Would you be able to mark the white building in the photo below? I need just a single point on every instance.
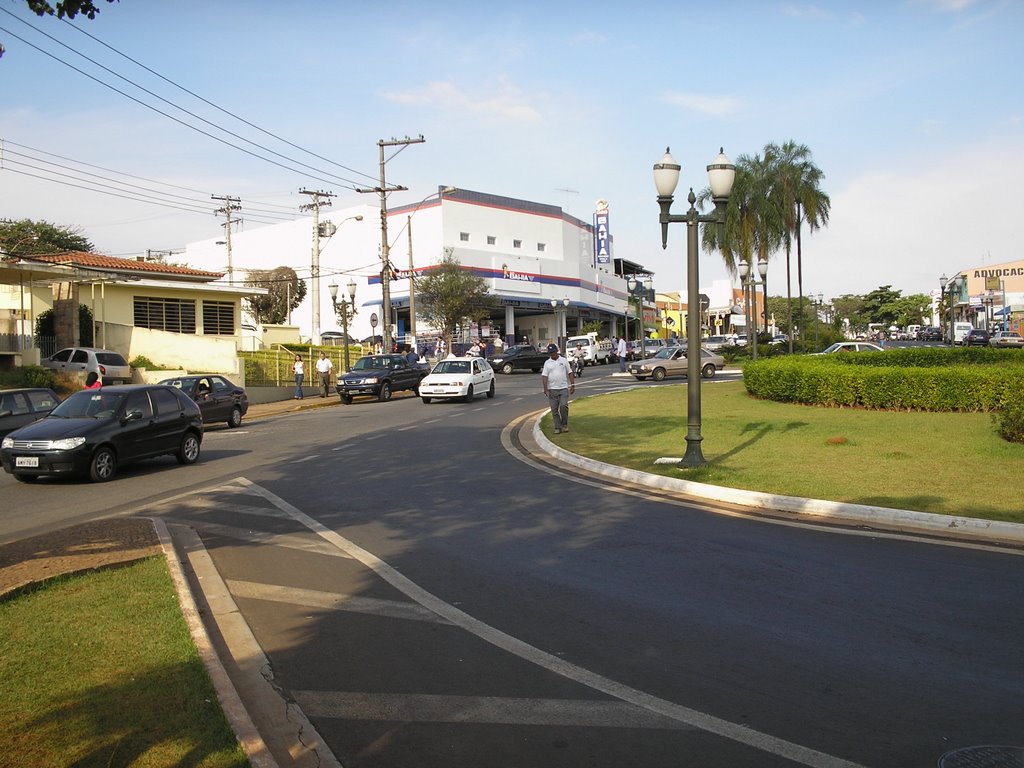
(529, 254)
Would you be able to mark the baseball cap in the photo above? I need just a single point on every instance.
(552, 348)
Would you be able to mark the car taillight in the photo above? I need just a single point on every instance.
(103, 371)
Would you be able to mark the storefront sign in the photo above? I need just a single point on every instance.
(602, 236)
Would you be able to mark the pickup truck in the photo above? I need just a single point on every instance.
(379, 376)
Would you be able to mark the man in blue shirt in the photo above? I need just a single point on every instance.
(558, 382)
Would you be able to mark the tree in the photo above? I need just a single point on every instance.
(26, 237)
(62, 8)
(449, 296)
(46, 325)
(286, 292)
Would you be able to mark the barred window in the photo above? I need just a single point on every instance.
(219, 318)
(160, 314)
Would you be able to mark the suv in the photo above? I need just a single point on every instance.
(379, 376)
(110, 366)
(519, 356)
(977, 337)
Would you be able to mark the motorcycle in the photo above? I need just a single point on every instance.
(577, 365)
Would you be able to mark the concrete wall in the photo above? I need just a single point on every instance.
(206, 354)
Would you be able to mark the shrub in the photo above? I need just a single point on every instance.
(141, 361)
(1009, 422)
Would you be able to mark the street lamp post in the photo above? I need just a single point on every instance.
(344, 311)
(561, 331)
(817, 321)
(721, 174)
(322, 233)
(748, 281)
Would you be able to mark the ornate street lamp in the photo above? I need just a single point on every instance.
(721, 174)
(344, 310)
(561, 332)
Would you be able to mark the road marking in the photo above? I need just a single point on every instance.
(300, 541)
(305, 458)
(421, 708)
(737, 732)
(335, 601)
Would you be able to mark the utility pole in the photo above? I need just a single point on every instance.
(314, 272)
(230, 204)
(385, 249)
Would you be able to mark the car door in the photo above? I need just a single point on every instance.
(15, 412)
(59, 359)
(78, 362)
(481, 379)
(211, 403)
(137, 435)
(169, 420)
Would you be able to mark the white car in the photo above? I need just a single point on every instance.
(850, 346)
(109, 365)
(1006, 339)
(458, 378)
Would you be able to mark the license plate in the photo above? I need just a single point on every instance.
(26, 461)
(437, 391)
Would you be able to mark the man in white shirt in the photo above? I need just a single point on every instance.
(620, 352)
(558, 382)
(323, 373)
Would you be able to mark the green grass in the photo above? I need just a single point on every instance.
(100, 670)
(947, 463)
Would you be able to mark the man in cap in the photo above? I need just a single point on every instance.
(558, 383)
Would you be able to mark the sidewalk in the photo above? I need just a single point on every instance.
(264, 410)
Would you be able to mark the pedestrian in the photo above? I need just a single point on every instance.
(93, 381)
(299, 371)
(439, 348)
(558, 382)
(323, 374)
(620, 352)
(412, 356)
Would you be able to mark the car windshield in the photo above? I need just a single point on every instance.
(834, 347)
(372, 362)
(186, 382)
(665, 354)
(452, 366)
(89, 404)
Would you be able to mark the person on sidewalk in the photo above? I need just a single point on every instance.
(300, 371)
(323, 374)
(558, 382)
(620, 352)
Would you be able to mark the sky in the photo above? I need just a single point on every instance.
(912, 109)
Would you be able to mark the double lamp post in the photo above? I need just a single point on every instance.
(721, 175)
(749, 282)
(345, 308)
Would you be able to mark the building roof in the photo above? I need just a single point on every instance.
(138, 267)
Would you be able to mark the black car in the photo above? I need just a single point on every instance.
(19, 407)
(977, 337)
(379, 376)
(931, 333)
(218, 399)
(95, 430)
(518, 357)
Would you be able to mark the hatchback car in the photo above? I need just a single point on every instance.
(1006, 339)
(218, 399)
(715, 343)
(94, 431)
(459, 378)
(518, 357)
(19, 407)
(977, 337)
(109, 365)
(672, 361)
(843, 347)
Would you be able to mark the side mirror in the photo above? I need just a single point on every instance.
(5, 413)
(132, 416)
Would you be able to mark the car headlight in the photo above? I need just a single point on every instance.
(8, 442)
(67, 443)
(370, 380)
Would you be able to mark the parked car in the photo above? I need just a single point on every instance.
(850, 346)
(715, 343)
(19, 407)
(779, 339)
(741, 340)
(109, 365)
(518, 357)
(650, 347)
(379, 376)
(929, 333)
(977, 337)
(672, 361)
(218, 399)
(94, 431)
(460, 378)
(1006, 339)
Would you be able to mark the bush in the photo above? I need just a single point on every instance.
(141, 361)
(1010, 421)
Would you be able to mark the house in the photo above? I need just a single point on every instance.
(176, 316)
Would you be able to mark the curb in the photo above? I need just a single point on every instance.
(884, 518)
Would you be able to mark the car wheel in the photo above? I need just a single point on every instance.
(103, 465)
(640, 378)
(188, 453)
(346, 399)
(658, 374)
(235, 419)
(385, 392)
(708, 371)
(506, 368)
(469, 394)
(426, 401)
(27, 478)
(490, 390)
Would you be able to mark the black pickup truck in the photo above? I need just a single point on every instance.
(379, 376)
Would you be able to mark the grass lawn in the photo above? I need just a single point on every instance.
(100, 670)
(947, 463)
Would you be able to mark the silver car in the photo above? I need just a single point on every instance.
(109, 365)
(671, 361)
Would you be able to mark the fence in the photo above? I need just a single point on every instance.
(273, 367)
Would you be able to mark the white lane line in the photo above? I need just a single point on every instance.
(305, 458)
(423, 708)
(335, 601)
(726, 729)
(299, 540)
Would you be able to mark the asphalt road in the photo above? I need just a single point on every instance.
(429, 599)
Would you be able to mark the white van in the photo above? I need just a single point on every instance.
(960, 331)
(594, 351)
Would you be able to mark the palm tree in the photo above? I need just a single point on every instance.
(800, 198)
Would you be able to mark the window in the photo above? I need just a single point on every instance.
(541, 247)
(517, 243)
(491, 240)
(165, 401)
(219, 318)
(174, 315)
(464, 237)
(139, 401)
(79, 356)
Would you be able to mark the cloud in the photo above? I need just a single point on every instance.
(717, 106)
(508, 103)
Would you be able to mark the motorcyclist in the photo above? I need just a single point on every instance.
(579, 357)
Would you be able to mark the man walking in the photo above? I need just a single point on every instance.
(323, 374)
(558, 383)
(620, 352)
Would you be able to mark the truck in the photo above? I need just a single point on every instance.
(594, 350)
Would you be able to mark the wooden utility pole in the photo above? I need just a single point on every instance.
(230, 204)
(314, 273)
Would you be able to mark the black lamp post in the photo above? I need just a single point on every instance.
(721, 174)
(344, 311)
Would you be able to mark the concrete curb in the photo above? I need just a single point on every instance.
(238, 717)
(883, 518)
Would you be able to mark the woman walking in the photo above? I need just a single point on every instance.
(300, 372)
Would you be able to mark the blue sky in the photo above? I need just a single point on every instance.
(913, 110)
